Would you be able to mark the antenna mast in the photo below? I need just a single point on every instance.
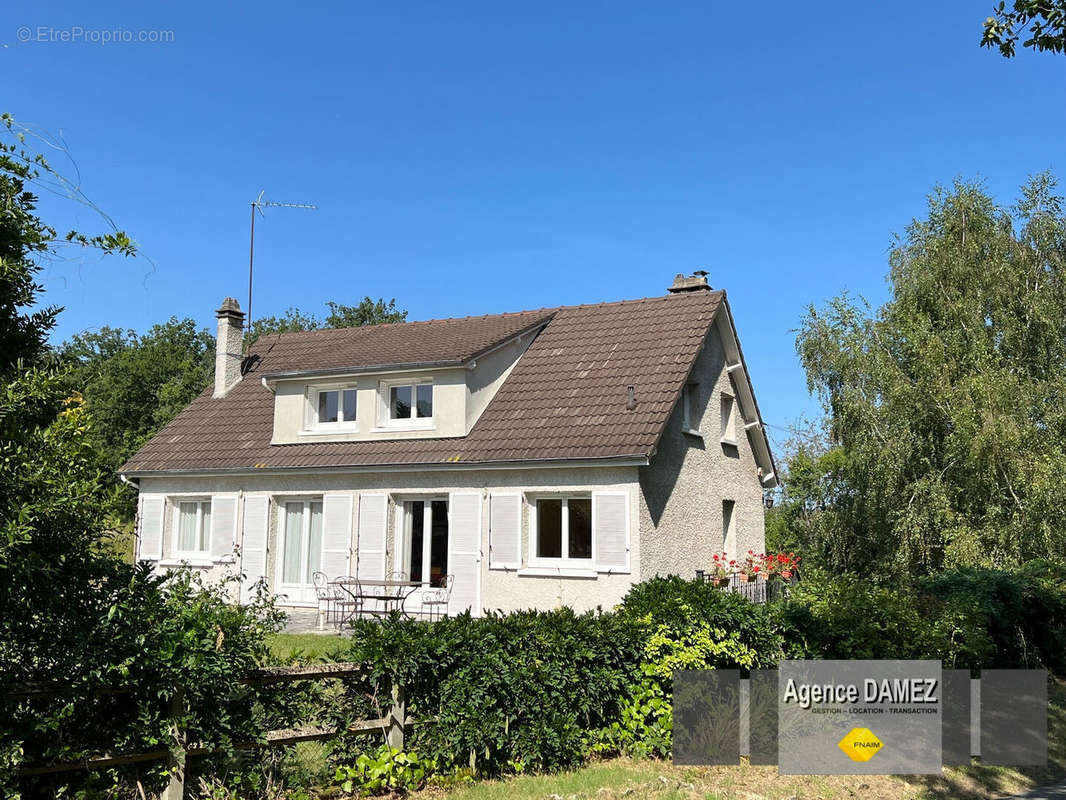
(258, 205)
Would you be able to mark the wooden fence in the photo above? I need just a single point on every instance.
(179, 749)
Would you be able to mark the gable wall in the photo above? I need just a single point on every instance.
(683, 488)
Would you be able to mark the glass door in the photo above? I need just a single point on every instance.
(425, 541)
(301, 549)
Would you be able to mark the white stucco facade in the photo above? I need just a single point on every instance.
(700, 492)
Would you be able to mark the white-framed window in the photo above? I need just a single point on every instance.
(193, 528)
(729, 419)
(408, 403)
(331, 407)
(561, 531)
(301, 541)
(690, 408)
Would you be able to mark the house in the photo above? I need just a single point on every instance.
(543, 458)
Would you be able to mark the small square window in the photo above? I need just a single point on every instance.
(564, 528)
(336, 405)
(408, 402)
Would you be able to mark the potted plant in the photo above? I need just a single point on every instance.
(722, 569)
(752, 566)
(780, 565)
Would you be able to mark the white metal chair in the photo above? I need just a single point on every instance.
(347, 606)
(437, 599)
(328, 596)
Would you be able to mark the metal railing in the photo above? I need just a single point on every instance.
(759, 590)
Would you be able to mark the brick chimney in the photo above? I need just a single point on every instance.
(696, 283)
(229, 346)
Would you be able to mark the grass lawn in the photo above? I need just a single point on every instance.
(286, 647)
(641, 780)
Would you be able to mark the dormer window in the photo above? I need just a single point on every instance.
(332, 407)
(410, 404)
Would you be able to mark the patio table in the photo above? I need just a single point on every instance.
(392, 598)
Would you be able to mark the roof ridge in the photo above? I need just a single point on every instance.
(545, 310)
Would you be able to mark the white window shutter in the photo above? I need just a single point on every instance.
(150, 535)
(464, 552)
(336, 534)
(505, 531)
(610, 526)
(373, 525)
(254, 544)
(223, 524)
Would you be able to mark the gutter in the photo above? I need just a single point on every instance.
(543, 463)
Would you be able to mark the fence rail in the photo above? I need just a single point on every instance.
(179, 749)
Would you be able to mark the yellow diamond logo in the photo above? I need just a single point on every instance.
(860, 744)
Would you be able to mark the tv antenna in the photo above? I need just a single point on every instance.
(258, 205)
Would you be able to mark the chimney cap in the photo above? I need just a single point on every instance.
(697, 282)
(230, 308)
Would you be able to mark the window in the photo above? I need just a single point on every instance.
(410, 402)
(690, 408)
(564, 528)
(334, 406)
(728, 531)
(194, 526)
(301, 550)
(729, 419)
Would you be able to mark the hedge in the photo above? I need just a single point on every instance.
(544, 689)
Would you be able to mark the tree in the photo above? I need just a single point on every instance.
(134, 384)
(368, 312)
(1046, 20)
(73, 613)
(947, 407)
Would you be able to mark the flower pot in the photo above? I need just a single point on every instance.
(721, 581)
(786, 574)
(751, 578)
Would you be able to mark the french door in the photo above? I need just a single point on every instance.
(424, 551)
(300, 553)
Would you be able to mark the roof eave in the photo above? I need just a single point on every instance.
(629, 460)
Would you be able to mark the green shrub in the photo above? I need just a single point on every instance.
(502, 690)
(848, 617)
(385, 769)
(998, 618)
(678, 603)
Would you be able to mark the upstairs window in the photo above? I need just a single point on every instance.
(729, 420)
(334, 407)
(410, 402)
(194, 526)
(690, 409)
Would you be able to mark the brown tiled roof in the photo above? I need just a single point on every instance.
(439, 341)
(565, 399)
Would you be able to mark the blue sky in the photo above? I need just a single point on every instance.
(471, 158)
